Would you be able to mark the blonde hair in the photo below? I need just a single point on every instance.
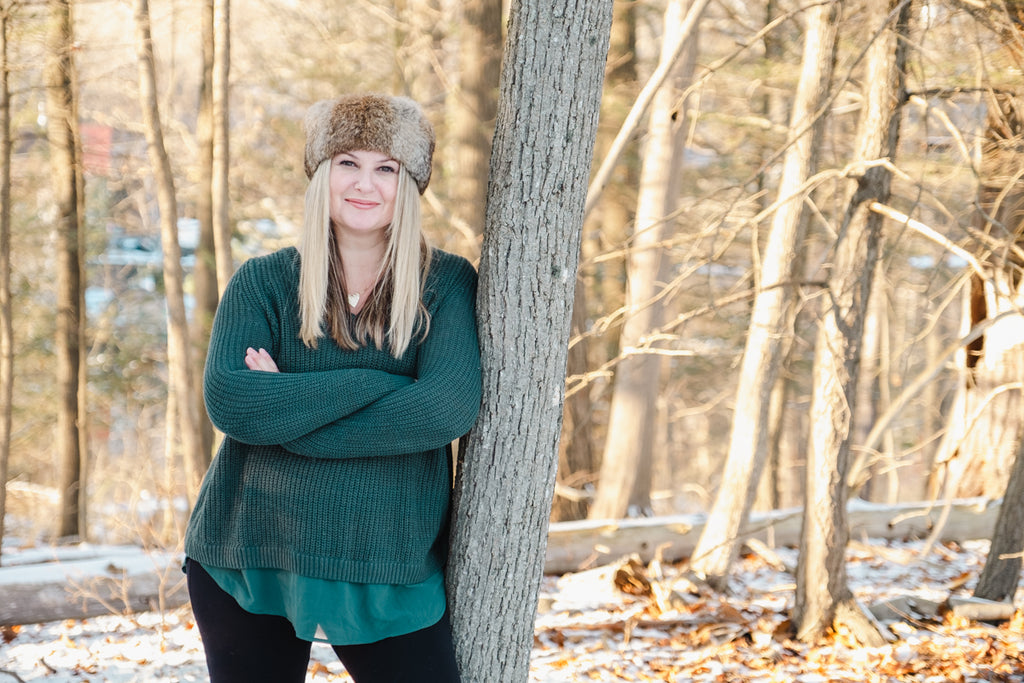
(394, 309)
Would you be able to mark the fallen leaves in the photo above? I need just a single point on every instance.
(669, 629)
(9, 633)
(650, 623)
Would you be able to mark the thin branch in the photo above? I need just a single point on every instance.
(931, 234)
(643, 101)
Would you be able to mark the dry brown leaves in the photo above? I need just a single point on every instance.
(633, 622)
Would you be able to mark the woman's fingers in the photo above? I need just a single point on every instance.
(259, 360)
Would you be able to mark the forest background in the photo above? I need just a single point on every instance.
(701, 211)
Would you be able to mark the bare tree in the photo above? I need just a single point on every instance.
(774, 107)
(988, 427)
(822, 594)
(979, 444)
(1001, 575)
(66, 172)
(474, 104)
(219, 189)
(6, 308)
(204, 273)
(601, 287)
(182, 410)
(771, 318)
(549, 99)
(625, 477)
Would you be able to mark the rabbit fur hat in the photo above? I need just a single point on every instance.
(395, 126)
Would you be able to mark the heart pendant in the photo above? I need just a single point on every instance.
(353, 300)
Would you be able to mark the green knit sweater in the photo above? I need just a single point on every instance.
(336, 467)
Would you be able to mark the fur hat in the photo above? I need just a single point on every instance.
(394, 126)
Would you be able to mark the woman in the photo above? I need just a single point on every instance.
(339, 373)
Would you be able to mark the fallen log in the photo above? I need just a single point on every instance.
(91, 582)
(588, 543)
(101, 580)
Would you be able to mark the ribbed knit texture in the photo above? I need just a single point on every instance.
(336, 467)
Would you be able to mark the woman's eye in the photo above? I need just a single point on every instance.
(346, 162)
(388, 169)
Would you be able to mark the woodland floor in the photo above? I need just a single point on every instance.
(589, 629)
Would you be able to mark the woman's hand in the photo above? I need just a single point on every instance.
(259, 360)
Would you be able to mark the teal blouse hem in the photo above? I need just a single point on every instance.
(336, 612)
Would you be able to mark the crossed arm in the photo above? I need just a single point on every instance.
(354, 412)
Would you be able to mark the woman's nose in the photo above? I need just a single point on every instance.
(364, 181)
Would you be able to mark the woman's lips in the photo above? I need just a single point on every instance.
(362, 204)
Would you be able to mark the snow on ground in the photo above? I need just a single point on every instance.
(588, 629)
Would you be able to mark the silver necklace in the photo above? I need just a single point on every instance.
(355, 297)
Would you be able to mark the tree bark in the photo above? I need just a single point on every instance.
(6, 308)
(550, 94)
(999, 578)
(632, 419)
(62, 131)
(771, 317)
(179, 367)
(822, 593)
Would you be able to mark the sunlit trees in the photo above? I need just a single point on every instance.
(204, 272)
(988, 412)
(625, 475)
(748, 216)
(6, 308)
(473, 106)
(68, 188)
(822, 593)
(771, 319)
(182, 412)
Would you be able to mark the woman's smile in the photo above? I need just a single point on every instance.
(363, 187)
(362, 203)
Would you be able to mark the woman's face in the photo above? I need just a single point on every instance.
(363, 188)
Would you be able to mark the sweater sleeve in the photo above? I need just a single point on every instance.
(439, 407)
(263, 408)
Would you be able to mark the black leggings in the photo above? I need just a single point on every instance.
(245, 647)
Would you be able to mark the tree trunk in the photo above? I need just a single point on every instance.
(822, 594)
(631, 422)
(221, 150)
(204, 273)
(774, 107)
(872, 395)
(771, 317)
(179, 368)
(6, 308)
(998, 362)
(600, 289)
(62, 131)
(667, 63)
(576, 461)
(527, 273)
(1001, 574)
(989, 409)
(476, 101)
